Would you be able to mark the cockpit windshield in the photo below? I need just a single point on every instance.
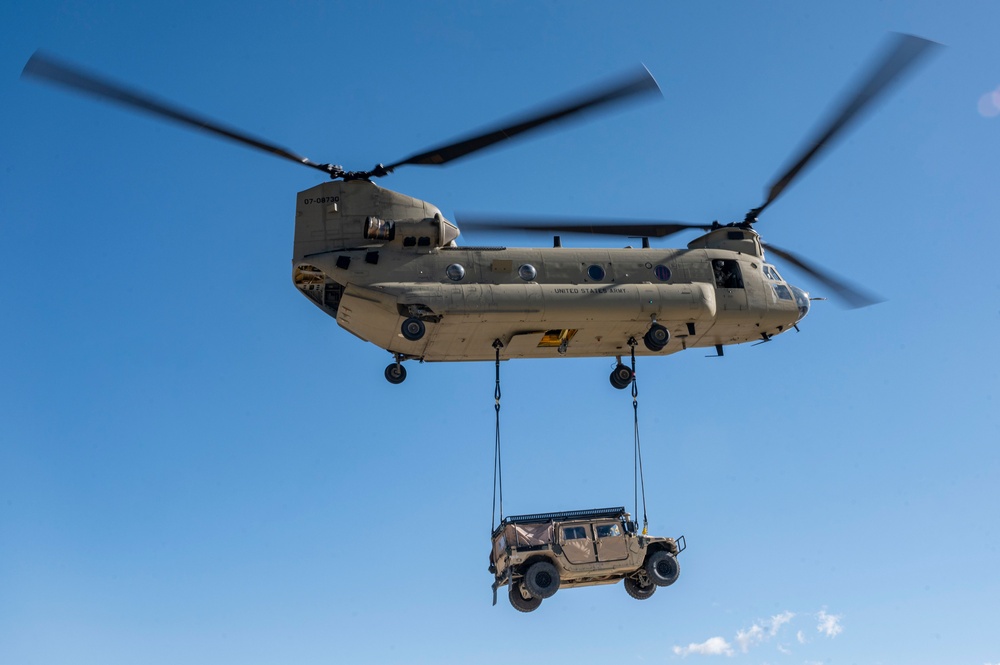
(802, 300)
(771, 273)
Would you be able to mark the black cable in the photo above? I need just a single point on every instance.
(637, 466)
(497, 468)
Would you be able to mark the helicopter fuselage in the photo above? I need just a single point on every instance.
(375, 259)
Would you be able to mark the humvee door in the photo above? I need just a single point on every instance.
(610, 541)
(577, 543)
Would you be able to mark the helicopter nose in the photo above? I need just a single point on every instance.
(802, 300)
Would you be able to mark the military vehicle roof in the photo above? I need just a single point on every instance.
(596, 513)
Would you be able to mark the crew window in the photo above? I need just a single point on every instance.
(574, 533)
(596, 273)
(782, 291)
(771, 273)
(727, 274)
(608, 531)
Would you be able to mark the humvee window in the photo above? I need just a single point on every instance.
(608, 531)
(574, 533)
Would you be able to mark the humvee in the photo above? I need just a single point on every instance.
(536, 555)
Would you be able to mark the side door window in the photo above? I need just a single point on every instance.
(727, 274)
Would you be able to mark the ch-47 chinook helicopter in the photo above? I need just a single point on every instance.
(386, 266)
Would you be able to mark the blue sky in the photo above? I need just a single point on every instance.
(197, 465)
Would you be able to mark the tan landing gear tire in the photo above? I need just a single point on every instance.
(621, 376)
(395, 373)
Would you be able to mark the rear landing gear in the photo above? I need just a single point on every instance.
(656, 338)
(413, 329)
(621, 376)
(395, 373)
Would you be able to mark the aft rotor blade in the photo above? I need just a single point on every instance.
(641, 83)
(901, 55)
(852, 295)
(51, 70)
(600, 227)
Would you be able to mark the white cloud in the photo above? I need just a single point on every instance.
(762, 630)
(713, 646)
(989, 107)
(780, 620)
(829, 624)
(748, 638)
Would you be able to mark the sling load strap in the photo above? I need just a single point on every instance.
(639, 482)
(497, 470)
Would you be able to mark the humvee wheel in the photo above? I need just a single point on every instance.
(520, 603)
(656, 338)
(412, 329)
(395, 373)
(662, 568)
(621, 376)
(638, 591)
(542, 579)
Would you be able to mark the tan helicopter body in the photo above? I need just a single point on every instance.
(375, 259)
(387, 267)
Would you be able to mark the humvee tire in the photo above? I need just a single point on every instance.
(638, 591)
(662, 568)
(541, 579)
(520, 603)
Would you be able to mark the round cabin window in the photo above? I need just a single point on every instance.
(455, 272)
(596, 273)
(527, 272)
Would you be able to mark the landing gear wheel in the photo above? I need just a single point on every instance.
(637, 590)
(413, 329)
(656, 338)
(520, 603)
(542, 579)
(662, 568)
(395, 373)
(621, 376)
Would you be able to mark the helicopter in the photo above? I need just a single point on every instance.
(388, 269)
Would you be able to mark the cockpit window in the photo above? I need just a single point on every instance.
(771, 273)
(727, 274)
(782, 291)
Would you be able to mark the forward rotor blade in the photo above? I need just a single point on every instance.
(852, 295)
(901, 55)
(622, 89)
(600, 227)
(51, 70)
